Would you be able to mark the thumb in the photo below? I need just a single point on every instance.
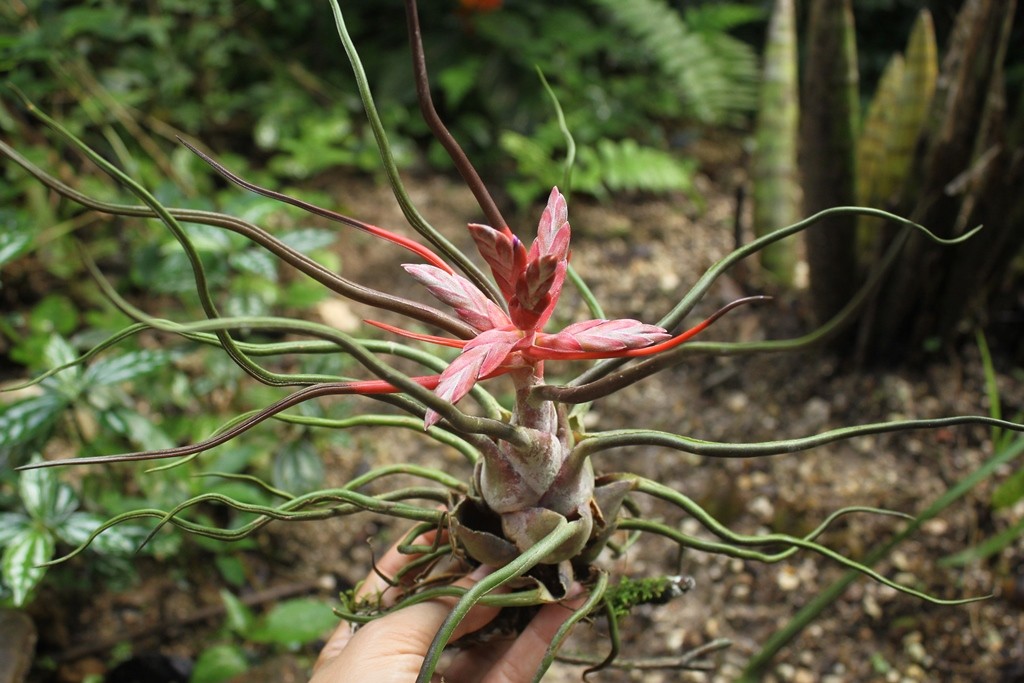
(392, 648)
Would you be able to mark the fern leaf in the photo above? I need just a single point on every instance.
(625, 165)
(715, 74)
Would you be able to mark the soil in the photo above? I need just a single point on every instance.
(639, 255)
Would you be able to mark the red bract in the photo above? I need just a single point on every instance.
(530, 282)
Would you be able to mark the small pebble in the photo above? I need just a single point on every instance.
(787, 579)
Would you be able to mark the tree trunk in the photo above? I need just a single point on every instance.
(828, 125)
(964, 174)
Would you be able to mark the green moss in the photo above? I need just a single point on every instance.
(629, 593)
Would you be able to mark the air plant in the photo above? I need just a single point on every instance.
(537, 507)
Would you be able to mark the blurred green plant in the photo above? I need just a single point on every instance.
(713, 74)
(286, 625)
(89, 398)
(49, 515)
(1010, 491)
(935, 144)
(703, 76)
(255, 84)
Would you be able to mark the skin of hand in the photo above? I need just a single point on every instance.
(391, 649)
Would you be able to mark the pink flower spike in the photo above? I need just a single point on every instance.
(504, 253)
(469, 303)
(603, 336)
(534, 285)
(541, 283)
(551, 353)
(553, 229)
(481, 358)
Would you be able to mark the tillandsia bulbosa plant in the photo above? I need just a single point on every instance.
(534, 504)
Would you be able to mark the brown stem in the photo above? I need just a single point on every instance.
(437, 127)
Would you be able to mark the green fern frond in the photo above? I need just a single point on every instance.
(722, 18)
(715, 74)
(626, 165)
(607, 166)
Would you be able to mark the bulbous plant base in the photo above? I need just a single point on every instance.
(487, 537)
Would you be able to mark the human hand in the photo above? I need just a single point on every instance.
(391, 649)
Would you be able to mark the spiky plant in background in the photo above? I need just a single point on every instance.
(536, 506)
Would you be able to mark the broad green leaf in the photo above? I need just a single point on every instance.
(45, 498)
(13, 243)
(55, 313)
(102, 21)
(302, 294)
(248, 304)
(219, 663)
(297, 621)
(138, 429)
(257, 262)
(239, 617)
(22, 557)
(252, 208)
(28, 420)
(298, 469)
(163, 273)
(309, 239)
(203, 238)
(231, 569)
(459, 79)
(11, 524)
(127, 366)
(123, 539)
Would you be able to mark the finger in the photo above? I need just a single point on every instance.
(377, 583)
(392, 648)
(519, 663)
(335, 645)
(472, 664)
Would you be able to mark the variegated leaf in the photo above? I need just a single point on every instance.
(123, 539)
(45, 498)
(469, 303)
(127, 366)
(21, 559)
(603, 335)
(12, 524)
